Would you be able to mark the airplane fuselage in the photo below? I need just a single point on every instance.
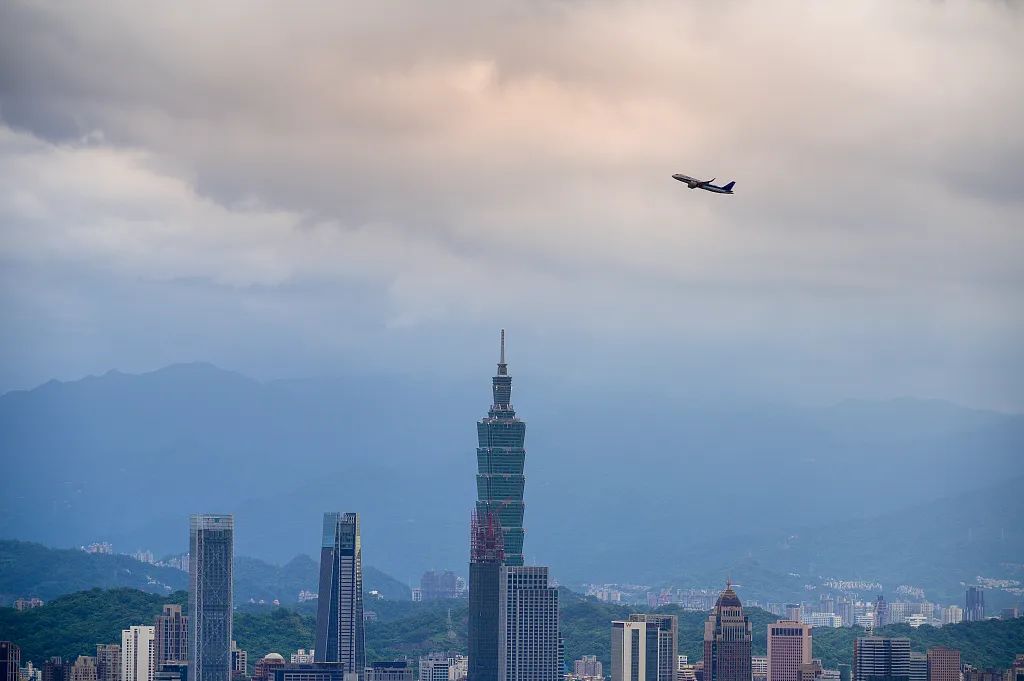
(706, 185)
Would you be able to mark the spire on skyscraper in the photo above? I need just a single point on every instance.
(502, 366)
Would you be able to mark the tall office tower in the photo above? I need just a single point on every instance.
(794, 612)
(138, 655)
(877, 658)
(634, 651)
(789, 646)
(211, 552)
(975, 610)
(500, 457)
(171, 636)
(881, 612)
(108, 661)
(10, 661)
(339, 616)
(943, 664)
(84, 669)
(529, 646)
(486, 555)
(727, 639)
(588, 665)
(667, 634)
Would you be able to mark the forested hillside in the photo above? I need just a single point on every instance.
(73, 624)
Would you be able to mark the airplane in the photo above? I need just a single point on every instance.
(694, 183)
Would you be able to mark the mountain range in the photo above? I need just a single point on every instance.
(660, 487)
(29, 570)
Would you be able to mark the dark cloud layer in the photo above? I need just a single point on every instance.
(351, 181)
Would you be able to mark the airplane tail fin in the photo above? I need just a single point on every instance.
(729, 186)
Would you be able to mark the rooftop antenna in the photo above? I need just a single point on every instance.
(502, 366)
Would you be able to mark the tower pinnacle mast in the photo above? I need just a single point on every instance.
(502, 365)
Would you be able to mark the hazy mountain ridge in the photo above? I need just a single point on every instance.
(937, 545)
(401, 451)
(28, 569)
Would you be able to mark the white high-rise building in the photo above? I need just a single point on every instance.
(759, 667)
(588, 666)
(645, 647)
(897, 613)
(458, 667)
(629, 650)
(953, 614)
(823, 619)
(303, 656)
(138, 654)
(443, 667)
(916, 620)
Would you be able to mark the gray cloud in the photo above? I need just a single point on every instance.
(437, 160)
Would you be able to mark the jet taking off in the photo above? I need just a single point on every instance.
(694, 183)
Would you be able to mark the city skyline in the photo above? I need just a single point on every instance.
(514, 616)
(254, 257)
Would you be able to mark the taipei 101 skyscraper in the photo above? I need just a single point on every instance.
(500, 457)
(496, 538)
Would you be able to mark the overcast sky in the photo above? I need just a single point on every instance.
(296, 189)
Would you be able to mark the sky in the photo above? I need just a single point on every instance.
(334, 188)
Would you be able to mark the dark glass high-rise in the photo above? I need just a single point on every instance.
(486, 557)
(339, 617)
(211, 552)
